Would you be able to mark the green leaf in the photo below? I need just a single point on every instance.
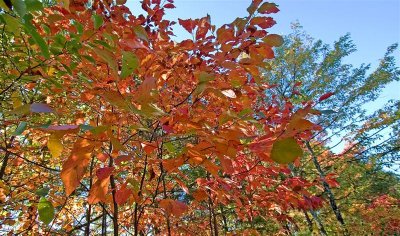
(107, 57)
(46, 210)
(86, 127)
(38, 39)
(33, 5)
(20, 7)
(141, 33)
(21, 110)
(129, 63)
(21, 127)
(42, 191)
(97, 21)
(170, 147)
(286, 150)
(12, 23)
(205, 77)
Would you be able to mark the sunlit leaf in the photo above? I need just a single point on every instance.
(129, 63)
(286, 150)
(46, 210)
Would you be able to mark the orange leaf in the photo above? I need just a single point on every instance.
(148, 148)
(74, 168)
(102, 157)
(173, 207)
(98, 191)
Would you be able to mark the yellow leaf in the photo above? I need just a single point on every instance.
(16, 99)
(286, 150)
(54, 144)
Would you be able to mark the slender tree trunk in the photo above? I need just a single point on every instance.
(210, 217)
(309, 222)
(165, 196)
(319, 223)
(115, 205)
(89, 211)
(327, 189)
(104, 223)
(214, 220)
(6, 157)
(224, 219)
(136, 216)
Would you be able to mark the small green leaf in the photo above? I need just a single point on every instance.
(42, 191)
(21, 127)
(86, 127)
(286, 150)
(205, 77)
(141, 33)
(129, 63)
(21, 110)
(107, 57)
(46, 210)
(170, 147)
(33, 5)
(97, 21)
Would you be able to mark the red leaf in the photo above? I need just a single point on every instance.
(121, 159)
(325, 96)
(104, 172)
(122, 194)
(188, 24)
(268, 8)
(169, 5)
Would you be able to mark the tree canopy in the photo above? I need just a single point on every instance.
(109, 126)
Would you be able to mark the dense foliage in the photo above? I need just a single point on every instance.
(109, 126)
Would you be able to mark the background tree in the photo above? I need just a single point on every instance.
(305, 68)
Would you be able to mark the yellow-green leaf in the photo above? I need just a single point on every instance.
(273, 40)
(46, 210)
(129, 63)
(286, 150)
(54, 144)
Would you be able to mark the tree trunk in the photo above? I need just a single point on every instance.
(327, 189)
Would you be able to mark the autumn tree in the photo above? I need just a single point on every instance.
(108, 126)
